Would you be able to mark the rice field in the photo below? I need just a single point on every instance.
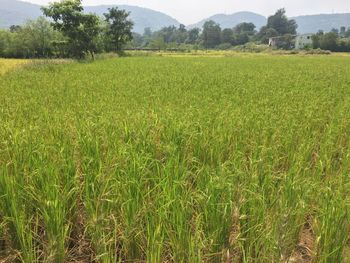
(176, 159)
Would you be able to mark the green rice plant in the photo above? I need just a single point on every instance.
(332, 227)
(192, 158)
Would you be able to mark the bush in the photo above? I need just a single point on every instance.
(252, 47)
(318, 51)
(224, 46)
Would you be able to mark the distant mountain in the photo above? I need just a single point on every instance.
(325, 22)
(17, 12)
(142, 17)
(306, 24)
(13, 12)
(229, 21)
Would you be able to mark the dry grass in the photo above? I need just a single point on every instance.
(305, 251)
(9, 64)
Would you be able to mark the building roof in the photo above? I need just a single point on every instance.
(280, 37)
(299, 35)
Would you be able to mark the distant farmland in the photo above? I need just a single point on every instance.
(176, 159)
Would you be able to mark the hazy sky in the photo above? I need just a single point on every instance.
(191, 11)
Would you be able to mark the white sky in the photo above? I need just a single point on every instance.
(191, 11)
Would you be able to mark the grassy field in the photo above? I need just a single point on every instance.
(187, 159)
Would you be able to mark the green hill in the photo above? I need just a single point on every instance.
(229, 21)
(14, 12)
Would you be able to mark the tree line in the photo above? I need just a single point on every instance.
(333, 41)
(73, 33)
(212, 36)
(70, 32)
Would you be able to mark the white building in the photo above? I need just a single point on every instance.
(303, 41)
(296, 41)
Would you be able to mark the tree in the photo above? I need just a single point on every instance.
(80, 29)
(211, 35)
(120, 27)
(343, 45)
(265, 33)
(281, 24)
(316, 39)
(167, 33)
(13, 44)
(248, 28)
(17, 42)
(173, 35)
(147, 36)
(89, 30)
(158, 43)
(147, 32)
(224, 46)
(227, 36)
(335, 31)
(181, 34)
(3, 42)
(288, 42)
(182, 28)
(329, 41)
(347, 33)
(15, 28)
(242, 39)
(137, 40)
(40, 35)
(192, 36)
(35, 38)
(242, 33)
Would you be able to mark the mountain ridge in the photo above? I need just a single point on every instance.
(15, 12)
(231, 20)
(325, 22)
(139, 15)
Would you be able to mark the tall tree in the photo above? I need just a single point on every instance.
(137, 40)
(211, 35)
(243, 32)
(80, 29)
(227, 36)
(119, 27)
(316, 39)
(242, 39)
(265, 33)
(147, 36)
(181, 34)
(172, 35)
(192, 36)
(329, 41)
(280, 22)
(89, 31)
(167, 33)
(40, 35)
(3, 42)
(248, 28)
(158, 43)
